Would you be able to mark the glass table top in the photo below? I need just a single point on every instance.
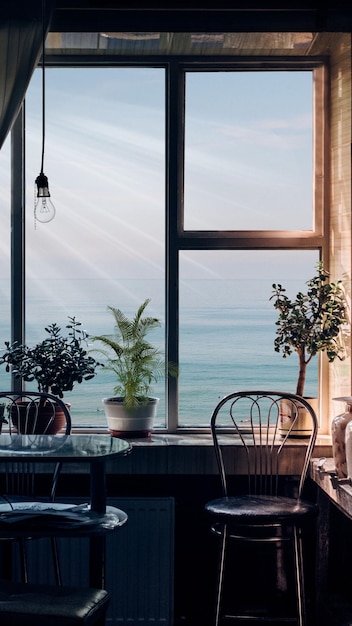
(80, 447)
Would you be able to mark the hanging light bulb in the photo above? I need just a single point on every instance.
(44, 210)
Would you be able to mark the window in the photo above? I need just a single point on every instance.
(248, 155)
(227, 326)
(123, 233)
(105, 163)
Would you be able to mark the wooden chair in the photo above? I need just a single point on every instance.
(262, 512)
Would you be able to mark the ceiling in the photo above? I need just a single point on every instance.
(186, 27)
(200, 16)
(190, 44)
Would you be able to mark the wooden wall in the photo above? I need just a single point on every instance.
(340, 222)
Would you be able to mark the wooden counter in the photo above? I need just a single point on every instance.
(332, 608)
(339, 491)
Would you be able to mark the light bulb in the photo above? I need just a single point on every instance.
(44, 210)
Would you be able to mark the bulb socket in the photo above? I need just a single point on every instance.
(42, 186)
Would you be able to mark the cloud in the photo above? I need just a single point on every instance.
(280, 134)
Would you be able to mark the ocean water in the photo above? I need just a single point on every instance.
(227, 332)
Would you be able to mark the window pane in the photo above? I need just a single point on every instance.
(104, 158)
(227, 326)
(248, 151)
(5, 213)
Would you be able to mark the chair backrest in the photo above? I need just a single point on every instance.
(255, 424)
(31, 413)
(34, 412)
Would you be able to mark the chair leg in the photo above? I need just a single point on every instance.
(219, 590)
(23, 560)
(299, 574)
(57, 568)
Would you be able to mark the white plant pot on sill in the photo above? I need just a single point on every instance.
(303, 426)
(135, 421)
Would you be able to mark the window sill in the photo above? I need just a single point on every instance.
(193, 454)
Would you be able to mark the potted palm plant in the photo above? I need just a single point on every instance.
(136, 364)
(56, 363)
(310, 323)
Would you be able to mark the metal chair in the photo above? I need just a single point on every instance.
(28, 413)
(263, 511)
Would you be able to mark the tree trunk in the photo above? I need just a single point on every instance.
(302, 374)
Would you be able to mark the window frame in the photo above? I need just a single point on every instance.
(180, 239)
(176, 238)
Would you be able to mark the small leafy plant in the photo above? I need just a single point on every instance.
(136, 363)
(56, 363)
(311, 323)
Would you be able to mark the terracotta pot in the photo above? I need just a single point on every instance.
(28, 418)
(130, 422)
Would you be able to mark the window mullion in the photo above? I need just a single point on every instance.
(174, 209)
(18, 234)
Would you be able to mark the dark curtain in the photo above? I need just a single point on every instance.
(21, 33)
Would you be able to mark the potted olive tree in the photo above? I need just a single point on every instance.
(311, 323)
(56, 363)
(137, 365)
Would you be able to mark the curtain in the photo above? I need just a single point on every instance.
(21, 34)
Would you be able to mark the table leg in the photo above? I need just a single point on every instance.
(97, 544)
(97, 487)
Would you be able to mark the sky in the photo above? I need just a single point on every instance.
(248, 150)
(248, 164)
(247, 153)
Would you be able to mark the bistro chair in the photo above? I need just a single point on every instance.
(266, 508)
(26, 414)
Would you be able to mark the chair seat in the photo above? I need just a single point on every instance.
(51, 519)
(260, 509)
(24, 604)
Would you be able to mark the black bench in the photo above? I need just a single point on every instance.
(25, 604)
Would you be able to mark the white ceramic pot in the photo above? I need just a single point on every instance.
(348, 444)
(338, 435)
(130, 422)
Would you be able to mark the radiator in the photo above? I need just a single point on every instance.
(139, 562)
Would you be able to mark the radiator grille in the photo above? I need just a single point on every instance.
(139, 562)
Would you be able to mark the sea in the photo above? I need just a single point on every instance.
(227, 333)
